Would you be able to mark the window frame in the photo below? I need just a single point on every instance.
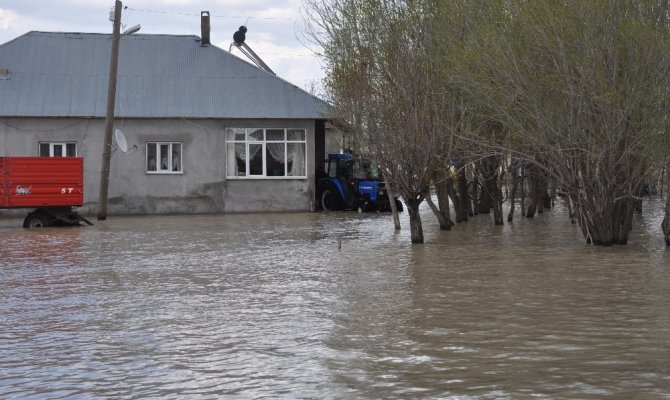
(249, 141)
(159, 145)
(52, 145)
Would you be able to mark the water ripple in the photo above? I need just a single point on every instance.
(270, 306)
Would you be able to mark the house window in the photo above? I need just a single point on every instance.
(266, 153)
(164, 157)
(58, 149)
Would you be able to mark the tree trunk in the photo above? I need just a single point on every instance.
(512, 197)
(484, 205)
(543, 195)
(523, 190)
(459, 208)
(463, 192)
(496, 200)
(571, 211)
(532, 191)
(603, 229)
(443, 203)
(624, 220)
(444, 225)
(582, 222)
(666, 220)
(662, 179)
(547, 194)
(416, 230)
(394, 207)
(665, 225)
(538, 188)
(552, 194)
(492, 196)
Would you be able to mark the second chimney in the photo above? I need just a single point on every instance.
(204, 28)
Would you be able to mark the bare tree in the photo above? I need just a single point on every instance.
(576, 91)
(583, 89)
(381, 80)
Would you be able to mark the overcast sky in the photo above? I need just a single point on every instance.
(272, 25)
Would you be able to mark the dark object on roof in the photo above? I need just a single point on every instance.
(238, 38)
(240, 35)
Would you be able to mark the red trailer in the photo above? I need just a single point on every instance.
(51, 185)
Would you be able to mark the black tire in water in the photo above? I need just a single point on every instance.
(328, 200)
(36, 220)
(475, 190)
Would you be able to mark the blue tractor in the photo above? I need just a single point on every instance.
(348, 183)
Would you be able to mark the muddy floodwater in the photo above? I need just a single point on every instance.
(269, 306)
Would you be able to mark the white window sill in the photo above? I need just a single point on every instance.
(273, 178)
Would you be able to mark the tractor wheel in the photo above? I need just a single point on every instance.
(475, 191)
(36, 220)
(328, 200)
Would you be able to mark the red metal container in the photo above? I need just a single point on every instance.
(31, 182)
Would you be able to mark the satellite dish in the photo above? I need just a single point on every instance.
(121, 142)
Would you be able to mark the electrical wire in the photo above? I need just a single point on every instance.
(213, 16)
(222, 16)
(41, 130)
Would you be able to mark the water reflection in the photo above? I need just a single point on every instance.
(250, 306)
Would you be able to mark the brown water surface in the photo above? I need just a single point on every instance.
(267, 306)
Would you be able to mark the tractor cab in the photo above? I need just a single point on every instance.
(348, 183)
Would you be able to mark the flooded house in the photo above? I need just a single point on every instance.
(206, 131)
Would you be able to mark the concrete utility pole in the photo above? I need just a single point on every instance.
(111, 101)
(109, 118)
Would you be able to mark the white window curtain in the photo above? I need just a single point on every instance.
(296, 156)
(235, 138)
(232, 159)
(239, 151)
(283, 151)
(277, 151)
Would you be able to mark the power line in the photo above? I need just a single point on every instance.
(289, 55)
(43, 130)
(214, 16)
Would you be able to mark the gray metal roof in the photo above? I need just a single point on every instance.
(65, 75)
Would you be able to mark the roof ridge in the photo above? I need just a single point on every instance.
(103, 34)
